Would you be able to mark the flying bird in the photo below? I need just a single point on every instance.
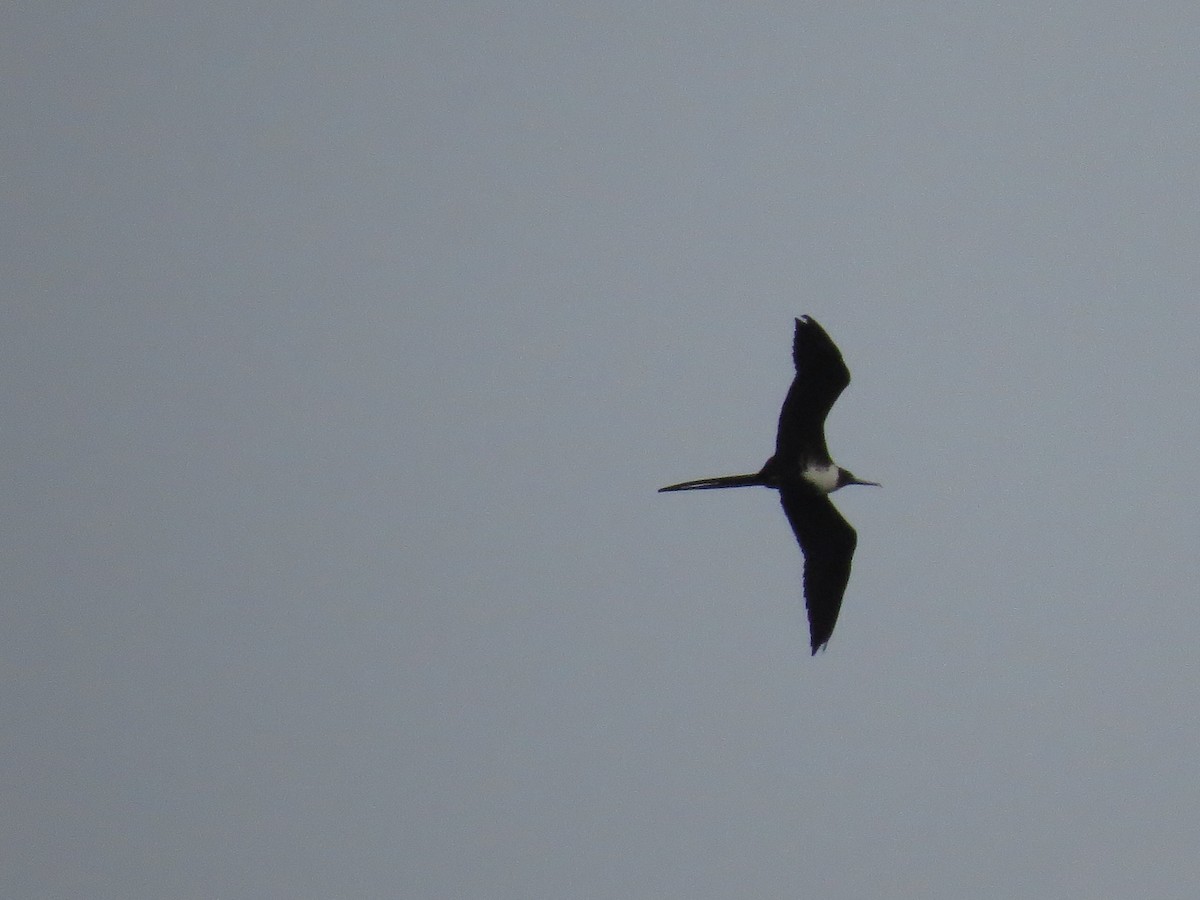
(805, 475)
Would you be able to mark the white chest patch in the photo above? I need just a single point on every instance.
(823, 478)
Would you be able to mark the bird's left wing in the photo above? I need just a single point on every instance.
(828, 543)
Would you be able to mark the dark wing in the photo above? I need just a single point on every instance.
(821, 376)
(828, 543)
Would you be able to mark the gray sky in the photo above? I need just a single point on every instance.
(345, 346)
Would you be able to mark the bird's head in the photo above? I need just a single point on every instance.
(845, 477)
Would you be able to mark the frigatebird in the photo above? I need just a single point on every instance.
(805, 475)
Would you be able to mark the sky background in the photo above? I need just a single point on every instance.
(343, 347)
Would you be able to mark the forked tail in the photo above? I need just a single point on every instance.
(723, 481)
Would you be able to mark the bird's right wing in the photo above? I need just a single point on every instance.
(821, 376)
(828, 543)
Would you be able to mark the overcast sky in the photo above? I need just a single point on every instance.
(343, 347)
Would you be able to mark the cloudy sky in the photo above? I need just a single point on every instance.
(343, 347)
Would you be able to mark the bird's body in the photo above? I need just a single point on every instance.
(805, 475)
(823, 478)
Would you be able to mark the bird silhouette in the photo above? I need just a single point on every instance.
(805, 475)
